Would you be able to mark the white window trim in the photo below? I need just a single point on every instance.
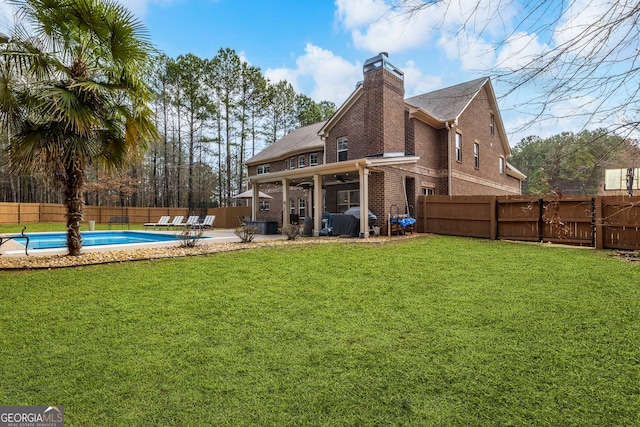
(476, 154)
(302, 206)
(301, 161)
(311, 162)
(458, 147)
(342, 139)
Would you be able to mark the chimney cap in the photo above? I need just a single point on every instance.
(381, 61)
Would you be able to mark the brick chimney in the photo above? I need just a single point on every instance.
(384, 107)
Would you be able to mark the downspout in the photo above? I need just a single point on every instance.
(449, 182)
(450, 127)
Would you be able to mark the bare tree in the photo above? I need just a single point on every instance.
(580, 58)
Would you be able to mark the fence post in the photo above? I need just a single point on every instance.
(493, 209)
(598, 222)
(540, 220)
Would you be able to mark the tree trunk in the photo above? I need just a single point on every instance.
(74, 189)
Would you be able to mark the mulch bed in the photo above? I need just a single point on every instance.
(126, 255)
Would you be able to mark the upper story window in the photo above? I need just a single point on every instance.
(458, 147)
(313, 159)
(300, 161)
(343, 147)
(492, 125)
(476, 155)
(292, 163)
(262, 169)
(501, 165)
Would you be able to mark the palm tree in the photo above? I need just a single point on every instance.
(72, 93)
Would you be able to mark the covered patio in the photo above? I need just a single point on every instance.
(318, 179)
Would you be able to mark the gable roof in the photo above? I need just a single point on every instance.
(447, 104)
(300, 140)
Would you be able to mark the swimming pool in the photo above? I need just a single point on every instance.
(94, 238)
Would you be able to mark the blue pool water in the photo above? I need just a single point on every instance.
(94, 238)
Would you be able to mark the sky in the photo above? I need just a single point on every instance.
(319, 46)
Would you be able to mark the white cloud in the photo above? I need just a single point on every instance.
(415, 83)
(581, 16)
(356, 13)
(394, 34)
(320, 74)
(473, 52)
(462, 28)
(518, 51)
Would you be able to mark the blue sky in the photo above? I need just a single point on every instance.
(320, 45)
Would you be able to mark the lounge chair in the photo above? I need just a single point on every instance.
(192, 221)
(208, 221)
(177, 221)
(162, 222)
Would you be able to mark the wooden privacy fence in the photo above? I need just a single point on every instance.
(603, 222)
(25, 213)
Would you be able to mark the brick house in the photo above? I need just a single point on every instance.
(380, 151)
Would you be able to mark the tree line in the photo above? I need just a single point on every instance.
(211, 114)
(572, 163)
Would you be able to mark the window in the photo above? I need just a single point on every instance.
(492, 124)
(313, 159)
(458, 147)
(476, 155)
(428, 191)
(292, 206)
(264, 206)
(348, 199)
(300, 161)
(292, 163)
(501, 165)
(286, 164)
(302, 207)
(263, 169)
(343, 147)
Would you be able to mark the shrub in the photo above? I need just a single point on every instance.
(189, 237)
(292, 231)
(246, 233)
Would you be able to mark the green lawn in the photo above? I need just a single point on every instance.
(434, 331)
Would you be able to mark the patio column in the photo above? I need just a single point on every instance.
(286, 218)
(255, 201)
(364, 202)
(318, 205)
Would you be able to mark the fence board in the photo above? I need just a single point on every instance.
(20, 213)
(611, 222)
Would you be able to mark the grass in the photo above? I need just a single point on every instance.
(427, 332)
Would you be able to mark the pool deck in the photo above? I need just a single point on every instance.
(15, 249)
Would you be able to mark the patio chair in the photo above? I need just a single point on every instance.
(162, 222)
(177, 221)
(208, 221)
(192, 221)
